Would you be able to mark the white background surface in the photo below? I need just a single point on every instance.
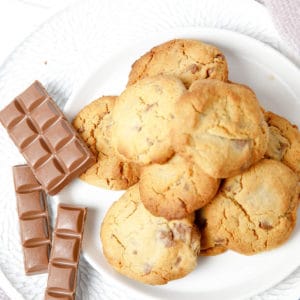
(18, 19)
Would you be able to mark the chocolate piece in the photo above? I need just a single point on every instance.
(34, 220)
(24, 180)
(48, 142)
(64, 259)
(51, 296)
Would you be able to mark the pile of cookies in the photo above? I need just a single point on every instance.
(205, 167)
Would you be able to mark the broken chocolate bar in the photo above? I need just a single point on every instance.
(64, 259)
(48, 142)
(34, 220)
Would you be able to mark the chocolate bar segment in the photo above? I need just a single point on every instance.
(33, 231)
(53, 296)
(65, 250)
(64, 259)
(11, 115)
(33, 219)
(70, 221)
(24, 180)
(30, 204)
(33, 96)
(48, 142)
(36, 259)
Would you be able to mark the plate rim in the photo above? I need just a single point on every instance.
(262, 44)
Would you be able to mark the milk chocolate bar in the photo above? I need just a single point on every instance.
(34, 220)
(64, 258)
(48, 142)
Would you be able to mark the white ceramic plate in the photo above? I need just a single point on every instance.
(275, 81)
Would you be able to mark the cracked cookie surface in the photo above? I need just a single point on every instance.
(220, 127)
(254, 211)
(143, 117)
(148, 248)
(284, 141)
(175, 189)
(93, 124)
(188, 60)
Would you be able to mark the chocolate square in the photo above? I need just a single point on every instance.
(59, 134)
(56, 296)
(61, 278)
(11, 114)
(50, 173)
(36, 259)
(23, 133)
(46, 114)
(72, 155)
(65, 249)
(31, 204)
(34, 231)
(69, 220)
(24, 179)
(32, 96)
(37, 153)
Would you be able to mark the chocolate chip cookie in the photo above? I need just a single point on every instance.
(93, 123)
(189, 60)
(143, 117)
(220, 127)
(284, 141)
(254, 211)
(176, 189)
(146, 248)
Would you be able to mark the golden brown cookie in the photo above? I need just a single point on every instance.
(220, 127)
(89, 118)
(189, 60)
(148, 248)
(143, 117)
(284, 141)
(93, 123)
(254, 211)
(176, 189)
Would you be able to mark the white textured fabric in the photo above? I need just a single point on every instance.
(3, 295)
(286, 16)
